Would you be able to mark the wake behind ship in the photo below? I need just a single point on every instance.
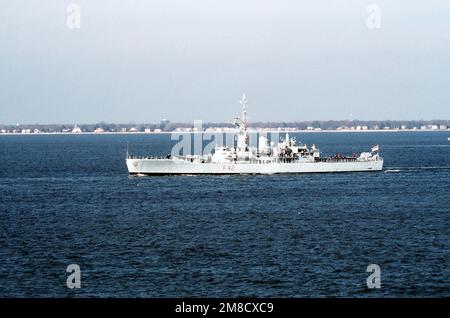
(284, 157)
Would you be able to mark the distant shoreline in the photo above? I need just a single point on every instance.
(222, 132)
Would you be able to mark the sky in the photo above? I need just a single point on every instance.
(143, 60)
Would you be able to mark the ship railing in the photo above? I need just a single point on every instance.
(144, 157)
(331, 159)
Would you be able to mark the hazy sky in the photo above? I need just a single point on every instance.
(145, 60)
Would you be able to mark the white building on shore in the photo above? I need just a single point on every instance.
(76, 130)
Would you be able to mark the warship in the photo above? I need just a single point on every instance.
(280, 156)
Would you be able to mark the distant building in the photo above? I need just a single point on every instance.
(99, 130)
(443, 127)
(147, 130)
(76, 130)
(133, 129)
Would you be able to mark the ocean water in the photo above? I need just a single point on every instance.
(68, 199)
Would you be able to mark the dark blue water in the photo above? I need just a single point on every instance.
(68, 199)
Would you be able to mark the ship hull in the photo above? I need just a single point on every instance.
(177, 167)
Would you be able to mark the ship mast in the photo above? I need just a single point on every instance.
(244, 124)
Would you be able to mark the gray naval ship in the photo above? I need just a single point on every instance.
(286, 156)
